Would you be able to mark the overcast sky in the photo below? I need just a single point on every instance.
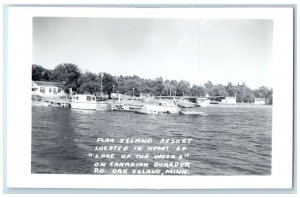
(188, 49)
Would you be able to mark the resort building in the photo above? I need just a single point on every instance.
(48, 89)
(260, 101)
(229, 100)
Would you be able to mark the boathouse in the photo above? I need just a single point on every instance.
(44, 88)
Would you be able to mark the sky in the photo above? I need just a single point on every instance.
(196, 50)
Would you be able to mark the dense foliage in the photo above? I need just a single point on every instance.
(70, 75)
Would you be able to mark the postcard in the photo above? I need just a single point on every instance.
(150, 98)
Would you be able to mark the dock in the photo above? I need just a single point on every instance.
(52, 102)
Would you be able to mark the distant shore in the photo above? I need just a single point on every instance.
(240, 105)
(64, 102)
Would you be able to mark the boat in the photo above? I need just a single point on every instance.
(131, 107)
(186, 104)
(203, 102)
(158, 107)
(81, 101)
(147, 110)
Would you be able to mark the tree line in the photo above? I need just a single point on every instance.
(90, 83)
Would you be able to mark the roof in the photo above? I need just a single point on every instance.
(48, 84)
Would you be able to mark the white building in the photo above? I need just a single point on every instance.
(48, 89)
(229, 100)
(260, 101)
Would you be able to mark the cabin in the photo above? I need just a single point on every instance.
(229, 100)
(260, 101)
(48, 89)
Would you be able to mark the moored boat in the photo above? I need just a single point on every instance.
(87, 102)
(148, 111)
(186, 104)
(203, 102)
(158, 107)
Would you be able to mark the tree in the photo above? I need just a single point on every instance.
(173, 87)
(158, 86)
(261, 92)
(89, 83)
(37, 72)
(197, 91)
(264, 92)
(134, 85)
(244, 94)
(218, 90)
(147, 86)
(126, 84)
(183, 88)
(40, 74)
(167, 88)
(47, 75)
(231, 90)
(108, 83)
(68, 74)
(121, 83)
(270, 97)
(209, 88)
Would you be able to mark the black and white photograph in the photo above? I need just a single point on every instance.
(192, 98)
(151, 96)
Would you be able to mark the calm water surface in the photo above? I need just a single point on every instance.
(225, 141)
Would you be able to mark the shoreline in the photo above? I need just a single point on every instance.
(239, 105)
(65, 103)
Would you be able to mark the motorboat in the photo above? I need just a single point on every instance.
(147, 110)
(203, 102)
(158, 107)
(186, 104)
(84, 102)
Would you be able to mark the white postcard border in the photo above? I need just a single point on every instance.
(19, 102)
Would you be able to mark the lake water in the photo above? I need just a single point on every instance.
(228, 140)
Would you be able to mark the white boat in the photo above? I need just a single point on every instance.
(158, 107)
(84, 102)
(203, 102)
(147, 110)
(186, 104)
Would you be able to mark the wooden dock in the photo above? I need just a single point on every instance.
(52, 102)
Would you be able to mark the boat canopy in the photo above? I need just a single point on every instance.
(84, 98)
